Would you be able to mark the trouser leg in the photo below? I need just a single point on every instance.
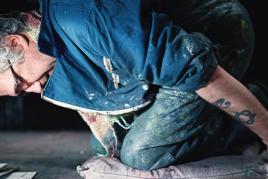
(169, 132)
(228, 25)
(234, 35)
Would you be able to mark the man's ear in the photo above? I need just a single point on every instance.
(17, 41)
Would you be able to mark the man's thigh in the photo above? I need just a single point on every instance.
(169, 131)
(227, 24)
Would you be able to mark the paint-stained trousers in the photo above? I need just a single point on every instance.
(179, 126)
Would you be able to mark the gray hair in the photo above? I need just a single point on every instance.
(10, 24)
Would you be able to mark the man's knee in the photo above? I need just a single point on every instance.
(138, 154)
(134, 156)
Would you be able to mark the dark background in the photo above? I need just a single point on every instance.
(32, 113)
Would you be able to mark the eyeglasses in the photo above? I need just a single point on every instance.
(20, 83)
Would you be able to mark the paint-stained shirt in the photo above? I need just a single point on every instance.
(113, 55)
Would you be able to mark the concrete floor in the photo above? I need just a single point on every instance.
(53, 155)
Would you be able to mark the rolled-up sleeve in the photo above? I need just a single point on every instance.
(177, 59)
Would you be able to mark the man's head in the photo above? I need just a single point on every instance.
(22, 66)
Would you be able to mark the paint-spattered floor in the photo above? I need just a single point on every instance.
(53, 155)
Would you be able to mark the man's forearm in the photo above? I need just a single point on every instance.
(234, 98)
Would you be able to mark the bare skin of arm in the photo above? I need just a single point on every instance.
(234, 98)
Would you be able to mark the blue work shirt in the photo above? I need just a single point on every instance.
(110, 54)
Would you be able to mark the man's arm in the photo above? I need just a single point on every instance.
(232, 97)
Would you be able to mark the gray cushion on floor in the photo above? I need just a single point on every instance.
(223, 167)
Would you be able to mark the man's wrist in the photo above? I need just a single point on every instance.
(263, 131)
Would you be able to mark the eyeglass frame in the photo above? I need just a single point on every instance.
(20, 82)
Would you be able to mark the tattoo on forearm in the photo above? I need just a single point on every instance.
(222, 103)
(245, 116)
